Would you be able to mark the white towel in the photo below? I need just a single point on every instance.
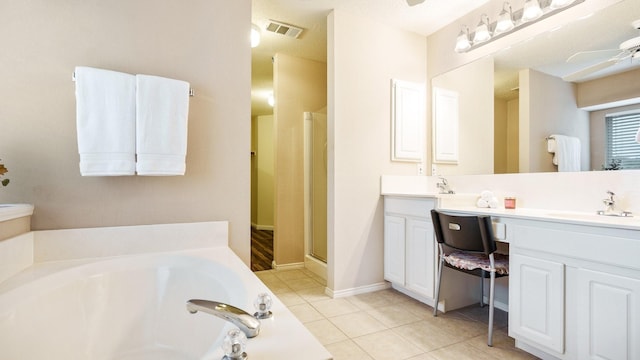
(105, 118)
(567, 152)
(551, 144)
(486, 195)
(482, 203)
(162, 110)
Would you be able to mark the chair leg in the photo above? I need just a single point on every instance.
(481, 291)
(491, 293)
(439, 280)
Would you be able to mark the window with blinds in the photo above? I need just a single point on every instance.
(622, 149)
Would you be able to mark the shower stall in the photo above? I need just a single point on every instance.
(315, 192)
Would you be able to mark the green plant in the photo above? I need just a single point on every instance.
(614, 164)
(3, 170)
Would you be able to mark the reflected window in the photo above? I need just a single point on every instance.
(622, 150)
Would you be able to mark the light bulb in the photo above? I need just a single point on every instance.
(531, 11)
(505, 20)
(255, 35)
(557, 4)
(482, 33)
(462, 41)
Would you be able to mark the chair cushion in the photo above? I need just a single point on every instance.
(472, 261)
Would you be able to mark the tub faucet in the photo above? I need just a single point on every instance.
(444, 186)
(243, 320)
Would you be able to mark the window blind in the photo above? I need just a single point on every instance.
(621, 145)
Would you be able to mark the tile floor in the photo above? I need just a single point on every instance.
(387, 324)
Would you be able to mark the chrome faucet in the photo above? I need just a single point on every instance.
(444, 186)
(609, 203)
(610, 207)
(240, 318)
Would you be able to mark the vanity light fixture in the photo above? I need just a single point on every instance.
(532, 10)
(510, 21)
(462, 41)
(505, 21)
(483, 33)
(557, 4)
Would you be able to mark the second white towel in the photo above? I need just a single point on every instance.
(162, 111)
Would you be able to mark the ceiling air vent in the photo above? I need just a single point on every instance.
(284, 29)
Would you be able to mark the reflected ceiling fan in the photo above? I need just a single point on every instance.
(629, 49)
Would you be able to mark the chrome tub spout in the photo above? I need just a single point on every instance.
(243, 320)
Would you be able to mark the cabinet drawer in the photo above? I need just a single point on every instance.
(578, 242)
(413, 207)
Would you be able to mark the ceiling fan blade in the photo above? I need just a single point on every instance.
(414, 2)
(591, 54)
(590, 69)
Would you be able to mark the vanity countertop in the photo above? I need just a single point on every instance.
(464, 203)
(566, 217)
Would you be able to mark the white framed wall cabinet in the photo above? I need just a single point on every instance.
(407, 121)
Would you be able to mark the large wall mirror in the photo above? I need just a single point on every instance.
(531, 101)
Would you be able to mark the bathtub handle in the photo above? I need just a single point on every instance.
(243, 320)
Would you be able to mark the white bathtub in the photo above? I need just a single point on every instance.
(134, 307)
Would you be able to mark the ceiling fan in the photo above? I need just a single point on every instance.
(629, 49)
(414, 2)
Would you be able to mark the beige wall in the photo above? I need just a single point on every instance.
(623, 86)
(550, 109)
(513, 130)
(299, 85)
(505, 150)
(474, 85)
(363, 58)
(264, 158)
(500, 136)
(204, 42)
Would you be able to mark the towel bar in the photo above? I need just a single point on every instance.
(192, 92)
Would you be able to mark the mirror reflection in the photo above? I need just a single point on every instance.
(532, 102)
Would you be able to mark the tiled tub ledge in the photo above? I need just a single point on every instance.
(14, 211)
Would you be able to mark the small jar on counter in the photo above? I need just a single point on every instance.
(509, 202)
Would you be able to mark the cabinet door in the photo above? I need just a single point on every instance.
(420, 257)
(536, 301)
(394, 248)
(608, 316)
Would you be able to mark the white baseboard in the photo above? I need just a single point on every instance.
(497, 304)
(534, 351)
(262, 227)
(287, 266)
(356, 291)
(316, 266)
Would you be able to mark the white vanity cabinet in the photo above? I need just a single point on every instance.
(574, 291)
(409, 245)
(536, 299)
